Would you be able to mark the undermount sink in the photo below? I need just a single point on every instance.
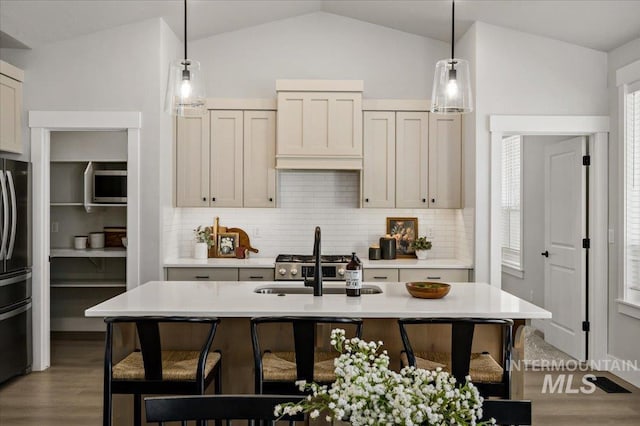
(282, 290)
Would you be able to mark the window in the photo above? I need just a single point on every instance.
(511, 207)
(632, 192)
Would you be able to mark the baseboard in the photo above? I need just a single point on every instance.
(625, 372)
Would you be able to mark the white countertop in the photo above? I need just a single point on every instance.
(238, 299)
(268, 262)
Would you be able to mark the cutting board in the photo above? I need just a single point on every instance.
(243, 239)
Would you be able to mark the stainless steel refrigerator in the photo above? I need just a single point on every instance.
(15, 268)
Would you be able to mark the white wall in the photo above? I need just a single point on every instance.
(328, 199)
(115, 69)
(623, 330)
(520, 73)
(531, 286)
(246, 63)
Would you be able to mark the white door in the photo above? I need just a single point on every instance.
(565, 227)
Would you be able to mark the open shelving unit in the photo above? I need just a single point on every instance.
(82, 278)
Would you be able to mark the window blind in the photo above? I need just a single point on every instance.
(632, 213)
(511, 211)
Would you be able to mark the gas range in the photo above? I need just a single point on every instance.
(294, 267)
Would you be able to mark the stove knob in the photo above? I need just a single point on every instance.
(282, 271)
(341, 272)
(294, 271)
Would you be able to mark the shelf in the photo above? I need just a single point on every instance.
(66, 204)
(89, 205)
(87, 283)
(105, 252)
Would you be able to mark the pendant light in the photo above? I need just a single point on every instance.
(185, 92)
(452, 81)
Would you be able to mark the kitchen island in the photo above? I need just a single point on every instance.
(236, 302)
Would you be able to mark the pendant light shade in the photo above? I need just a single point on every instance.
(185, 89)
(452, 82)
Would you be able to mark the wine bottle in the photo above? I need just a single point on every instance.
(353, 276)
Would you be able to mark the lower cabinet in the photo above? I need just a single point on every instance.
(389, 275)
(256, 274)
(202, 274)
(448, 275)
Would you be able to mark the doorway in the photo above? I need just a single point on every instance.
(596, 131)
(544, 216)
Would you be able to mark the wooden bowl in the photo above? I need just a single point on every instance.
(428, 290)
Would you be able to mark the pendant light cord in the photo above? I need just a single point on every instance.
(453, 20)
(185, 33)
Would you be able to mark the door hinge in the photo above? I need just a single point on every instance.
(586, 243)
(586, 326)
(586, 160)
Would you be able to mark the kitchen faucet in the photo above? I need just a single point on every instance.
(317, 270)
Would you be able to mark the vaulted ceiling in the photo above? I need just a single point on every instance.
(601, 25)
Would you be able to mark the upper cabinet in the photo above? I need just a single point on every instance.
(226, 159)
(319, 124)
(445, 161)
(11, 79)
(413, 154)
(379, 170)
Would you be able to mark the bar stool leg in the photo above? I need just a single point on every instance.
(137, 414)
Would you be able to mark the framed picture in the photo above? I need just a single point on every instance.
(227, 244)
(405, 231)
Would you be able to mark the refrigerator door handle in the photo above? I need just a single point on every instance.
(15, 312)
(14, 214)
(5, 215)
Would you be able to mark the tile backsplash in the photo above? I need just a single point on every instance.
(328, 199)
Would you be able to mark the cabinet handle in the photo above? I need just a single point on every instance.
(213, 198)
(433, 200)
(202, 277)
(256, 277)
(270, 200)
(366, 200)
(424, 200)
(204, 198)
(434, 278)
(380, 278)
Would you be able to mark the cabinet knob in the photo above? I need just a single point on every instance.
(213, 198)
(270, 200)
(424, 200)
(366, 200)
(433, 200)
(204, 198)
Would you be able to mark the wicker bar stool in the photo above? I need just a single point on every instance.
(277, 372)
(153, 370)
(490, 377)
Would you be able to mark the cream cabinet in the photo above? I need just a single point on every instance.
(379, 169)
(412, 156)
(202, 274)
(259, 158)
(226, 133)
(445, 275)
(388, 275)
(192, 161)
(445, 161)
(11, 79)
(226, 159)
(319, 124)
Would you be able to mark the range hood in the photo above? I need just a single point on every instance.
(319, 124)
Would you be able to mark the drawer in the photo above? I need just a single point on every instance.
(447, 275)
(255, 274)
(202, 274)
(380, 275)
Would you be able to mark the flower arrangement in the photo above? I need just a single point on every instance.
(366, 392)
(204, 235)
(421, 243)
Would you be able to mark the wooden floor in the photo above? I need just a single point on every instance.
(70, 394)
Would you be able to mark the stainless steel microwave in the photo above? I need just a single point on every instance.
(110, 186)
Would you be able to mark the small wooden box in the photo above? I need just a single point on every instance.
(113, 236)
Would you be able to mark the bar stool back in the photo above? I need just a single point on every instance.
(277, 372)
(153, 370)
(491, 378)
